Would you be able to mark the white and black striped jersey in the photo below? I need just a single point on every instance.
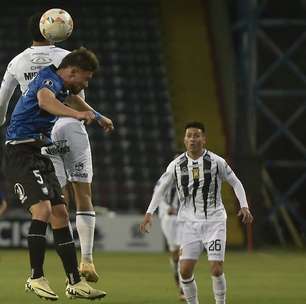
(23, 68)
(169, 201)
(198, 184)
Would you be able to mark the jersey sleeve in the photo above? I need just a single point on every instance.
(8, 86)
(12, 66)
(48, 83)
(228, 175)
(161, 188)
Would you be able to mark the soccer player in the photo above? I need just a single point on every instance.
(31, 175)
(198, 174)
(74, 167)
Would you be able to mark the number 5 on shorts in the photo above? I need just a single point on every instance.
(38, 177)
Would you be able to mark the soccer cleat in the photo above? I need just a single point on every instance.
(41, 288)
(82, 290)
(88, 271)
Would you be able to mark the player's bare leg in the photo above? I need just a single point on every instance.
(85, 224)
(188, 282)
(218, 281)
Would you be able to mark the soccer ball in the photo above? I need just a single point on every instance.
(56, 25)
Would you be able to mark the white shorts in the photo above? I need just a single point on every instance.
(169, 227)
(76, 164)
(197, 236)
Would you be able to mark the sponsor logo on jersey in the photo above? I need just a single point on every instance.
(41, 60)
(29, 75)
(79, 167)
(19, 190)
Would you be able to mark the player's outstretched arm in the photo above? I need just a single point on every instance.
(146, 225)
(78, 103)
(105, 122)
(49, 103)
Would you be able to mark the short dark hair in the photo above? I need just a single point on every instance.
(33, 27)
(81, 58)
(196, 125)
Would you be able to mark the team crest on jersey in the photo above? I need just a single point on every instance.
(196, 173)
(48, 83)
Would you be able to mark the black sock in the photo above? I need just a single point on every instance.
(37, 247)
(65, 248)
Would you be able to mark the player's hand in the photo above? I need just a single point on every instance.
(106, 124)
(247, 217)
(145, 226)
(88, 116)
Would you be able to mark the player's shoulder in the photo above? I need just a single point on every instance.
(15, 60)
(48, 77)
(58, 54)
(59, 50)
(177, 161)
(180, 158)
(215, 157)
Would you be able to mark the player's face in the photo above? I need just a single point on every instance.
(194, 141)
(79, 80)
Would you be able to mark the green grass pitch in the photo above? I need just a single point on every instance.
(270, 277)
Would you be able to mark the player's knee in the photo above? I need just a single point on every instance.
(216, 269)
(185, 272)
(41, 211)
(60, 212)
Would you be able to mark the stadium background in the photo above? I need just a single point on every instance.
(236, 65)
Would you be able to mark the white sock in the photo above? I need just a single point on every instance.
(85, 224)
(175, 269)
(219, 288)
(190, 290)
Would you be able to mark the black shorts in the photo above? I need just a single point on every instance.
(31, 175)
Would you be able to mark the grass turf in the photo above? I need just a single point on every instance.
(270, 277)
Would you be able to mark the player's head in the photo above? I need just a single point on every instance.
(78, 68)
(33, 28)
(195, 138)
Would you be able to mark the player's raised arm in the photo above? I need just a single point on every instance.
(78, 103)
(48, 102)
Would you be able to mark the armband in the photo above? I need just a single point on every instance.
(98, 116)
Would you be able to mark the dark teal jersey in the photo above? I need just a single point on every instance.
(28, 120)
